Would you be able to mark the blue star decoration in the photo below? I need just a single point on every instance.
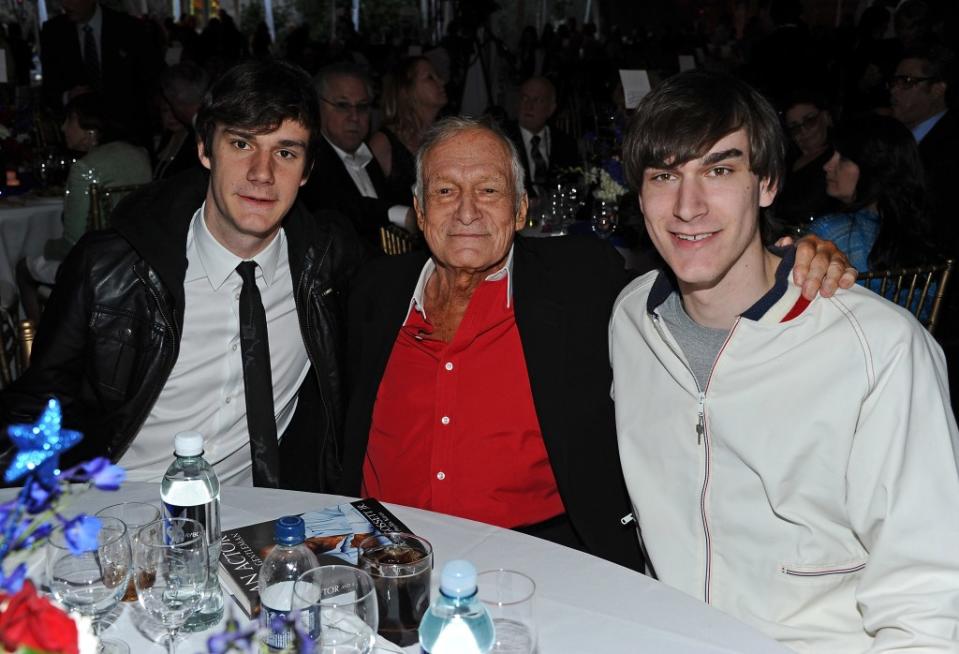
(40, 445)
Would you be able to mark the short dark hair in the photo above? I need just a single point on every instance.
(94, 114)
(938, 61)
(258, 96)
(688, 113)
(342, 69)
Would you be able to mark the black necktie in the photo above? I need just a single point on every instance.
(91, 59)
(539, 163)
(258, 381)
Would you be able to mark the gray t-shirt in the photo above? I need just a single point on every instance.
(699, 344)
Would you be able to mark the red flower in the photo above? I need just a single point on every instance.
(30, 620)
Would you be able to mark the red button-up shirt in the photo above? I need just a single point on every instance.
(454, 428)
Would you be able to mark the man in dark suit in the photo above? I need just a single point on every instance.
(544, 150)
(346, 177)
(182, 88)
(90, 47)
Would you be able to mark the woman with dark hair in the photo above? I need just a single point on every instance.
(803, 196)
(108, 161)
(413, 95)
(876, 175)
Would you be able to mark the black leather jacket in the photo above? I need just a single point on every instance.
(110, 333)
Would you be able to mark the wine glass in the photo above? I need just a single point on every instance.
(338, 609)
(134, 515)
(170, 571)
(604, 219)
(91, 583)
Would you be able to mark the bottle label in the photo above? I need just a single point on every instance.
(280, 634)
(208, 515)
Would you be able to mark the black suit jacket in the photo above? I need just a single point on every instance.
(940, 160)
(129, 63)
(564, 291)
(563, 154)
(331, 187)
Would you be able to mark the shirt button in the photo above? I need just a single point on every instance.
(234, 347)
(445, 420)
(449, 365)
(228, 400)
(441, 475)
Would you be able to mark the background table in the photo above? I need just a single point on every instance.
(583, 605)
(26, 223)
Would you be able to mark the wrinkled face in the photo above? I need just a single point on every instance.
(703, 215)
(75, 137)
(842, 175)
(915, 98)
(254, 179)
(809, 126)
(537, 102)
(79, 11)
(428, 88)
(345, 112)
(468, 215)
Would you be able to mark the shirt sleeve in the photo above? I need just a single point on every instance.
(903, 498)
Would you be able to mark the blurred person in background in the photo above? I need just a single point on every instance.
(181, 91)
(413, 95)
(108, 160)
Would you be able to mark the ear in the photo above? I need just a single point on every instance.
(520, 221)
(767, 192)
(306, 175)
(939, 89)
(420, 214)
(201, 152)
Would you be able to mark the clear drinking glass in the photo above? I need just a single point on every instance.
(170, 571)
(605, 218)
(134, 515)
(337, 605)
(91, 583)
(509, 597)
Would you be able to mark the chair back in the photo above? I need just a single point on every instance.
(910, 288)
(16, 339)
(396, 240)
(102, 201)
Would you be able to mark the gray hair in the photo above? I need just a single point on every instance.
(342, 69)
(449, 128)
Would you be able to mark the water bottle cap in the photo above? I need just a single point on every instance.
(289, 530)
(458, 579)
(188, 443)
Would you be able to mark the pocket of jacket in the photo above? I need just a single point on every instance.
(118, 339)
(825, 571)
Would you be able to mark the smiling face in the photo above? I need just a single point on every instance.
(842, 175)
(469, 214)
(703, 215)
(345, 112)
(254, 179)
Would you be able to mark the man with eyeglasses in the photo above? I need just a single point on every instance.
(346, 176)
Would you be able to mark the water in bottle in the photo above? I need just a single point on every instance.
(190, 489)
(457, 622)
(288, 559)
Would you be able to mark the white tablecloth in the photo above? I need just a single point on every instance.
(583, 605)
(26, 223)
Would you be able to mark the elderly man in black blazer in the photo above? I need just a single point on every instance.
(480, 371)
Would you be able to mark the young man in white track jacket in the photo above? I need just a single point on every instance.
(792, 463)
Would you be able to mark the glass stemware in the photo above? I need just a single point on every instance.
(170, 571)
(134, 515)
(91, 583)
(338, 609)
(605, 218)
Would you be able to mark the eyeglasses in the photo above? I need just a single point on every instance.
(807, 122)
(345, 107)
(907, 82)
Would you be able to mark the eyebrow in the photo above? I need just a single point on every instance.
(722, 155)
(251, 136)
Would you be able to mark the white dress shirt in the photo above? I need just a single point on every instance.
(96, 22)
(205, 389)
(544, 146)
(355, 165)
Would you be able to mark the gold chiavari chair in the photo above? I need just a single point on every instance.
(910, 288)
(102, 201)
(396, 240)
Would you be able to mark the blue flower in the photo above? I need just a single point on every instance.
(39, 446)
(14, 582)
(99, 471)
(232, 637)
(36, 535)
(615, 169)
(81, 534)
(36, 496)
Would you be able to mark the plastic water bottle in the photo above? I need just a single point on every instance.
(190, 489)
(457, 622)
(280, 569)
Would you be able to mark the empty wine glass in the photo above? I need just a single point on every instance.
(170, 571)
(605, 218)
(134, 515)
(338, 609)
(91, 583)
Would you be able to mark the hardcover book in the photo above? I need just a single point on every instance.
(333, 533)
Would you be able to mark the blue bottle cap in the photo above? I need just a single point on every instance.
(289, 530)
(458, 579)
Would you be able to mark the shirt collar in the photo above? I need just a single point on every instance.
(207, 257)
(358, 159)
(543, 135)
(923, 128)
(417, 303)
(96, 21)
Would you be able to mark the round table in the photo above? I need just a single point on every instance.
(583, 604)
(26, 223)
